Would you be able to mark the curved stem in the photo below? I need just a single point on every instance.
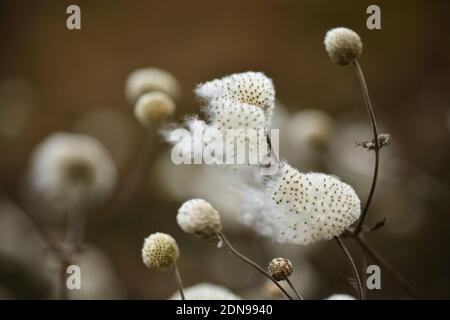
(386, 266)
(253, 264)
(354, 268)
(180, 282)
(376, 148)
(297, 293)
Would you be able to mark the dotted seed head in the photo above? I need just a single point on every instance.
(199, 217)
(146, 80)
(153, 108)
(343, 45)
(312, 206)
(245, 89)
(280, 268)
(160, 251)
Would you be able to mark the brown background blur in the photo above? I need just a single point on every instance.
(407, 66)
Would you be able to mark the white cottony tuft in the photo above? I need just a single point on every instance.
(315, 206)
(206, 291)
(240, 105)
(302, 208)
(248, 88)
(199, 217)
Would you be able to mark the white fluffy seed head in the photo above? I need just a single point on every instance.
(280, 268)
(160, 251)
(153, 108)
(245, 89)
(146, 80)
(340, 296)
(206, 291)
(198, 217)
(70, 170)
(312, 206)
(343, 45)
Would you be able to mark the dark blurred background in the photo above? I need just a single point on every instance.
(74, 81)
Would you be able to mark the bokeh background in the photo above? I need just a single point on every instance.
(53, 79)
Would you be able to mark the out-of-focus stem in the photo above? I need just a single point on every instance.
(180, 282)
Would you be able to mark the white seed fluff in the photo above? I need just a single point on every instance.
(70, 170)
(248, 88)
(160, 251)
(340, 296)
(153, 108)
(315, 206)
(146, 80)
(198, 217)
(206, 291)
(343, 45)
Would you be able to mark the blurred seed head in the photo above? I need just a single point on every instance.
(206, 291)
(72, 171)
(343, 45)
(280, 268)
(340, 296)
(146, 80)
(160, 251)
(199, 217)
(153, 108)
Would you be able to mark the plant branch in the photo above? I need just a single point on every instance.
(297, 293)
(376, 146)
(253, 264)
(354, 268)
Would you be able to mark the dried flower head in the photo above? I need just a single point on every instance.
(280, 268)
(153, 108)
(343, 45)
(198, 217)
(340, 296)
(70, 170)
(147, 80)
(160, 251)
(206, 291)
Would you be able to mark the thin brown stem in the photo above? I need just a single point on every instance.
(376, 148)
(386, 266)
(180, 282)
(135, 179)
(54, 245)
(297, 293)
(354, 268)
(364, 264)
(253, 264)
